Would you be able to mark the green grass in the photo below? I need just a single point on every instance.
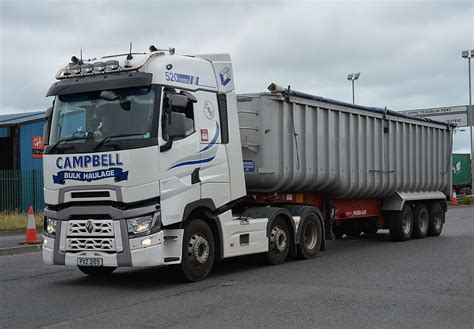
(17, 222)
(466, 200)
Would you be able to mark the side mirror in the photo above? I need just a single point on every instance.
(46, 126)
(178, 101)
(177, 127)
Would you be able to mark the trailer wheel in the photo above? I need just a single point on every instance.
(278, 242)
(436, 213)
(97, 271)
(198, 251)
(310, 237)
(351, 228)
(401, 224)
(421, 221)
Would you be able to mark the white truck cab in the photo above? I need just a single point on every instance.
(137, 145)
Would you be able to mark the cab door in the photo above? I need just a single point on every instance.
(179, 161)
(214, 171)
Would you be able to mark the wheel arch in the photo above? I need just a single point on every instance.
(204, 209)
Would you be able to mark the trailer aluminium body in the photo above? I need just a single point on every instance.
(152, 159)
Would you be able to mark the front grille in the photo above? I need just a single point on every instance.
(90, 235)
(90, 244)
(96, 227)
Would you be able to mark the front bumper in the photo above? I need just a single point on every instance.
(151, 255)
(111, 241)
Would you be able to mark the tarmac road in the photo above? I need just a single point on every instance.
(363, 282)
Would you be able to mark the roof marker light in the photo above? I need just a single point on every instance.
(86, 68)
(73, 69)
(112, 65)
(99, 66)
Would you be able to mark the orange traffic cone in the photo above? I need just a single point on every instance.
(454, 201)
(31, 235)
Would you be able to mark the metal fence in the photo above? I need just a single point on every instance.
(19, 189)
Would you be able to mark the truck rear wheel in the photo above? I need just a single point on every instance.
(96, 271)
(198, 251)
(420, 221)
(278, 242)
(401, 224)
(436, 213)
(310, 237)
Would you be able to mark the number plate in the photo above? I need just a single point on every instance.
(82, 261)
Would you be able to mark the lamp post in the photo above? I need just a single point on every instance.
(469, 54)
(353, 77)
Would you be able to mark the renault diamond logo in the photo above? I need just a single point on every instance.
(89, 226)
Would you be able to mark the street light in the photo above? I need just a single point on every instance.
(353, 77)
(469, 54)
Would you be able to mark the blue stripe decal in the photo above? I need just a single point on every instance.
(214, 139)
(193, 162)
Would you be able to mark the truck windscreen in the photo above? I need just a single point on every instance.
(88, 122)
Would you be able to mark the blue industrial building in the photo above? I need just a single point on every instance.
(21, 163)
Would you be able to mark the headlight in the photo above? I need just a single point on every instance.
(49, 227)
(144, 225)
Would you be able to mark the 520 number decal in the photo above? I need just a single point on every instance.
(181, 78)
(169, 76)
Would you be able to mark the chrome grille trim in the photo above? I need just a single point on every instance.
(90, 244)
(101, 227)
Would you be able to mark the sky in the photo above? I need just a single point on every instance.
(408, 52)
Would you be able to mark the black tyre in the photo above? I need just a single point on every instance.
(351, 228)
(97, 271)
(401, 224)
(421, 220)
(436, 221)
(198, 251)
(370, 227)
(278, 242)
(309, 237)
(338, 232)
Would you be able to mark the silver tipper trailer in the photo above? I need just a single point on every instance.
(295, 142)
(152, 159)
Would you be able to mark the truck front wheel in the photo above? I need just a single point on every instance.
(198, 251)
(401, 224)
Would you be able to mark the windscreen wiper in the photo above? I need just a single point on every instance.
(67, 139)
(108, 138)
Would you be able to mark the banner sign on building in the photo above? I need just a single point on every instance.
(37, 147)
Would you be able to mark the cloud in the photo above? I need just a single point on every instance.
(408, 52)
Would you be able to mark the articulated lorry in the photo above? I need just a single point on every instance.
(152, 159)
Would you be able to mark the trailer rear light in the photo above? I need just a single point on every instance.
(111, 65)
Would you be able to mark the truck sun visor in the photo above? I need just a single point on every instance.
(100, 82)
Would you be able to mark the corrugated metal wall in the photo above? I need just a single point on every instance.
(342, 152)
(4, 131)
